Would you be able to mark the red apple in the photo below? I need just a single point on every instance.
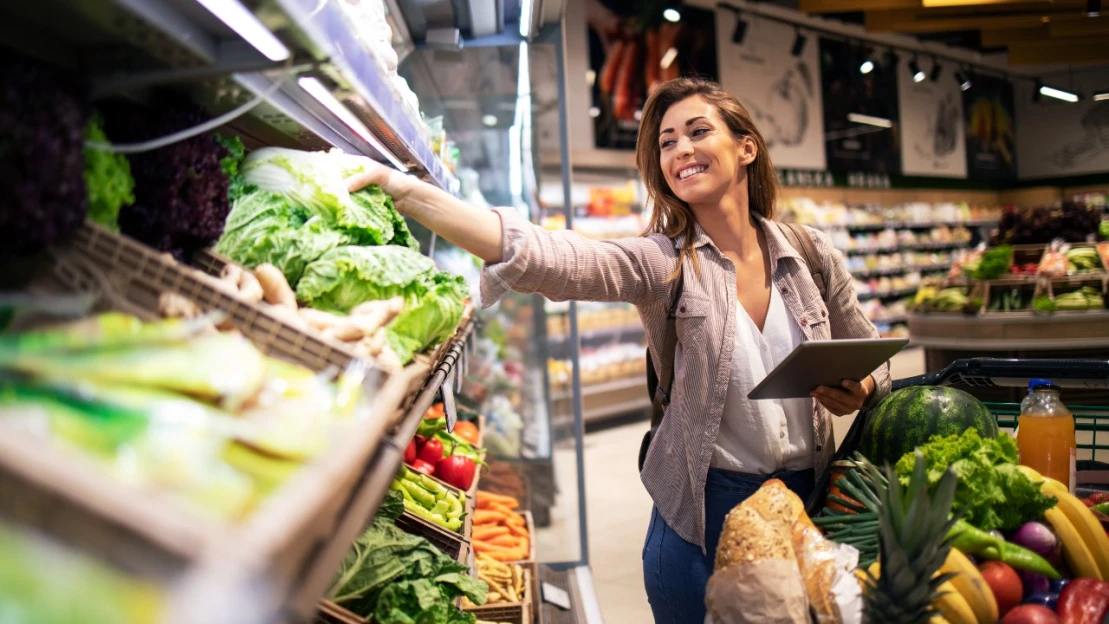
(1031, 614)
(1005, 584)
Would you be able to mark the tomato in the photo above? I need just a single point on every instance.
(422, 466)
(1031, 614)
(432, 451)
(467, 431)
(435, 411)
(1005, 584)
(457, 471)
(411, 452)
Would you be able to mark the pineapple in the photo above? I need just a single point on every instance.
(913, 544)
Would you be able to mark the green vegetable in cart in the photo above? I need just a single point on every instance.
(993, 493)
(974, 541)
(1085, 298)
(397, 578)
(427, 498)
(1043, 303)
(1082, 259)
(994, 263)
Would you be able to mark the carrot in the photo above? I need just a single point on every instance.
(489, 516)
(489, 498)
(505, 555)
(612, 66)
(488, 531)
(508, 541)
(518, 531)
(622, 98)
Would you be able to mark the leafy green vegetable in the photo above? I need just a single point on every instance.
(232, 167)
(993, 264)
(107, 178)
(347, 276)
(264, 227)
(375, 200)
(402, 578)
(1043, 303)
(993, 493)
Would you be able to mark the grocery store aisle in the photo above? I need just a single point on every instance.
(618, 509)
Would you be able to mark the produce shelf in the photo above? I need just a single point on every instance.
(889, 294)
(933, 268)
(221, 71)
(907, 225)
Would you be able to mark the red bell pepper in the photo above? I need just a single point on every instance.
(1084, 601)
(432, 451)
(456, 470)
(420, 465)
(411, 452)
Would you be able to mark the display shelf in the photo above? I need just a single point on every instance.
(606, 333)
(862, 251)
(889, 294)
(327, 67)
(906, 225)
(934, 268)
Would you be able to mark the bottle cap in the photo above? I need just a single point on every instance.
(1035, 384)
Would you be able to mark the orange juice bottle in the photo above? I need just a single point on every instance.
(1045, 434)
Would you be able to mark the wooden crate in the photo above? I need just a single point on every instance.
(141, 530)
(510, 612)
(451, 543)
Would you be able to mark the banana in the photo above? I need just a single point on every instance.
(938, 619)
(1075, 552)
(973, 588)
(1083, 520)
(953, 606)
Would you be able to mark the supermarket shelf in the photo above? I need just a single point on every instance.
(906, 225)
(604, 333)
(892, 320)
(863, 251)
(618, 385)
(616, 409)
(889, 294)
(934, 268)
(222, 71)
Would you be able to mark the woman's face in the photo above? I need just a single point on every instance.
(700, 158)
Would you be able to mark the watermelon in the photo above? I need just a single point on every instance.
(909, 417)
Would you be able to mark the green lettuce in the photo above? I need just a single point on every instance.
(402, 578)
(347, 276)
(263, 227)
(993, 493)
(107, 178)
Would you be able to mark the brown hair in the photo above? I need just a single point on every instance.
(671, 216)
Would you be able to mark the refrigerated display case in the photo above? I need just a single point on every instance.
(323, 75)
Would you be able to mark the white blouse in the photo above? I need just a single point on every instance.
(760, 437)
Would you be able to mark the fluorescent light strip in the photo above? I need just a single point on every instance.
(869, 120)
(668, 58)
(525, 17)
(316, 89)
(239, 19)
(1101, 97)
(1066, 96)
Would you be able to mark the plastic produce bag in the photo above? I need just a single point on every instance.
(1054, 261)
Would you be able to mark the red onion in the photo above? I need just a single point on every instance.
(1038, 538)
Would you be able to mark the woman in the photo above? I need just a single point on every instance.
(748, 299)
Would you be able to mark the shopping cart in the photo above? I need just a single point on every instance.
(1091, 422)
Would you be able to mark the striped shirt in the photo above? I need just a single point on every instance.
(563, 265)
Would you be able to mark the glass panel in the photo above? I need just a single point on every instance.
(500, 105)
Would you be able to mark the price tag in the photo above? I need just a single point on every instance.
(556, 596)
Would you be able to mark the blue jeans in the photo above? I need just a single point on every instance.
(675, 572)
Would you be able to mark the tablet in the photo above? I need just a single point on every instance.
(825, 363)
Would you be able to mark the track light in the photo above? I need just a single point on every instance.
(916, 71)
(1101, 96)
(1058, 94)
(740, 32)
(672, 15)
(869, 120)
(963, 79)
(798, 43)
(866, 66)
(936, 69)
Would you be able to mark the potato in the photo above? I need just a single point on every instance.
(249, 288)
(173, 305)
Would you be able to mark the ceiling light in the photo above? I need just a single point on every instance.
(239, 19)
(594, 112)
(869, 120)
(489, 120)
(668, 58)
(740, 31)
(798, 43)
(525, 18)
(936, 69)
(1101, 97)
(316, 89)
(916, 71)
(672, 15)
(867, 66)
(1058, 94)
(963, 79)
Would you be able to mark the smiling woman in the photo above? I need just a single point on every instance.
(749, 301)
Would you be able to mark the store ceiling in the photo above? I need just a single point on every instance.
(1070, 32)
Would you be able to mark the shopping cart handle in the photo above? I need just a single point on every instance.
(1015, 373)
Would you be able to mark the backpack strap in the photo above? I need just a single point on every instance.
(661, 397)
(802, 241)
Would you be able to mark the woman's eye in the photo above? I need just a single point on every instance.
(666, 144)
(700, 131)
